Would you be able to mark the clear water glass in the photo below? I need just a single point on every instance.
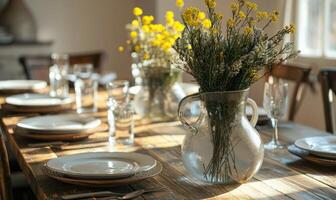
(58, 75)
(275, 104)
(121, 125)
(120, 113)
(117, 92)
(86, 89)
(83, 71)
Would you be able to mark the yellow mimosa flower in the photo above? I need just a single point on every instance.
(145, 28)
(137, 48)
(156, 43)
(230, 23)
(201, 15)
(248, 31)
(158, 28)
(146, 56)
(206, 23)
(178, 26)
(262, 15)
(251, 5)
(159, 37)
(137, 11)
(170, 21)
(179, 3)
(275, 16)
(190, 16)
(189, 46)
(135, 23)
(121, 49)
(176, 36)
(166, 46)
(169, 15)
(242, 15)
(210, 3)
(234, 7)
(147, 19)
(133, 34)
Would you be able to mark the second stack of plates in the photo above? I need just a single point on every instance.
(102, 168)
(58, 127)
(320, 149)
(40, 103)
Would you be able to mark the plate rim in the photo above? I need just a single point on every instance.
(20, 124)
(65, 101)
(314, 151)
(35, 84)
(102, 154)
(156, 170)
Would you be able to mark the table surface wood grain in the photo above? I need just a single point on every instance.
(282, 175)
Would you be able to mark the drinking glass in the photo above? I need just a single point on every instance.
(117, 92)
(58, 73)
(120, 113)
(86, 89)
(275, 104)
(121, 124)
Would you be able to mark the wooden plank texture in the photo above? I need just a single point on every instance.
(282, 175)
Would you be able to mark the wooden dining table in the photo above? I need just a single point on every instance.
(281, 176)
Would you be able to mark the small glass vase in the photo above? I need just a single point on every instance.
(159, 95)
(222, 146)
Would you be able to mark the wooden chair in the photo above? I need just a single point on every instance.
(295, 73)
(327, 78)
(37, 66)
(5, 183)
(12, 184)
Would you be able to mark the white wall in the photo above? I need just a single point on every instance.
(88, 25)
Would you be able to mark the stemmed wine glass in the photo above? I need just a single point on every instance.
(275, 104)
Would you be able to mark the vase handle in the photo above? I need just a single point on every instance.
(183, 102)
(255, 114)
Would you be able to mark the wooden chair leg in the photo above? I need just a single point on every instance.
(6, 192)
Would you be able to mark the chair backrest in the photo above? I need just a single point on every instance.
(295, 73)
(37, 66)
(327, 78)
(5, 183)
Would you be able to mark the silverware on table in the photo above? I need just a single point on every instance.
(108, 195)
(90, 195)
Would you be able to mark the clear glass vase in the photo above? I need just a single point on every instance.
(159, 95)
(221, 146)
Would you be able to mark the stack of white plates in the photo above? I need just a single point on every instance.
(58, 127)
(102, 168)
(319, 150)
(21, 86)
(31, 102)
(322, 146)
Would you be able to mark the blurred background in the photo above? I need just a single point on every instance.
(77, 26)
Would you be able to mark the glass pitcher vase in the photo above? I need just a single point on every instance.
(221, 146)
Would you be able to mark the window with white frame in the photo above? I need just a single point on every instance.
(316, 22)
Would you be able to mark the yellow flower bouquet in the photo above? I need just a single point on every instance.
(225, 58)
(152, 43)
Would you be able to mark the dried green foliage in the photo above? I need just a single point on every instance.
(231, 56)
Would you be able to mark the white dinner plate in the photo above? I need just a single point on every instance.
(22, 85)
(101, 165)
(324, 146)
(62, 123)
(34, 100)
